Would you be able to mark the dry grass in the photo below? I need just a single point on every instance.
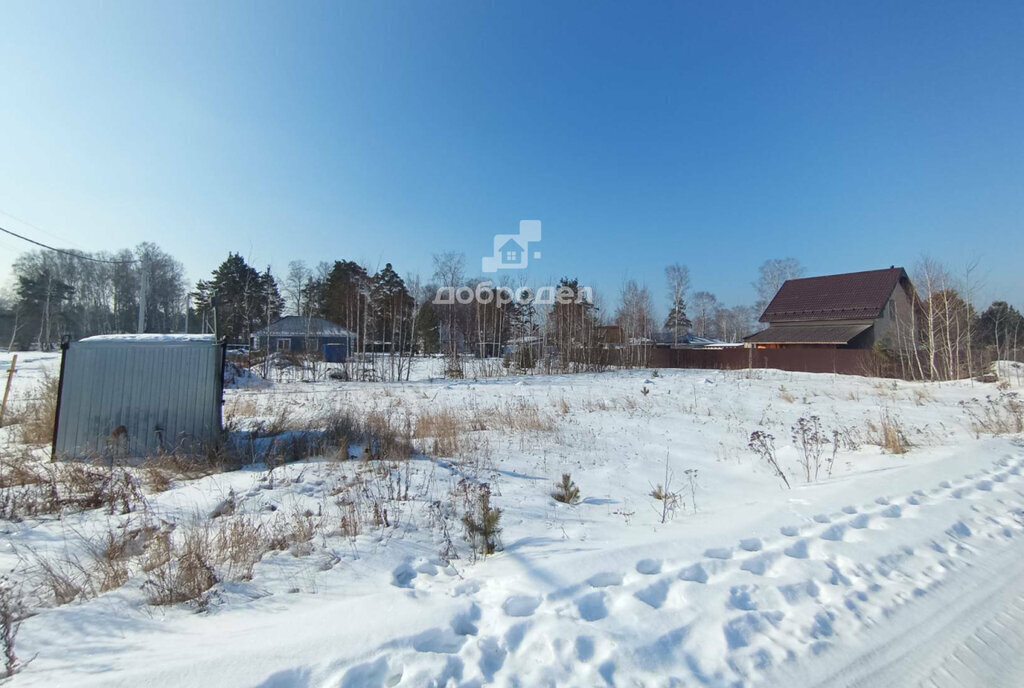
(36, 418)
(182, 572)
(999, 415)
(888, 433)
(785, 395)
(446, 428)
(443, 428)
(239, 544)
(922, 396)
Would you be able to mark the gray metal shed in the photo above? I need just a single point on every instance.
(126, 396)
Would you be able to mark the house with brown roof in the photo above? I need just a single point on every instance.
(849, 311)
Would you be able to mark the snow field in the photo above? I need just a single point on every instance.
(745, 584)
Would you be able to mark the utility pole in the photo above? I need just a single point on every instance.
(143, 294)
(266, 359)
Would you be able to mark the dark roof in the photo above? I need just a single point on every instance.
(807, 334)
(301, 326)
(851, 296)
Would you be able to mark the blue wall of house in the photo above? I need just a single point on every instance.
(336, 353)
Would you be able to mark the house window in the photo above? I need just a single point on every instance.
(510, 256)
(284, 344)
(892, 309)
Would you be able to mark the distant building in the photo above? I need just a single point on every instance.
(299, 333)
(132, 396)
(849, 311)
(687, 340)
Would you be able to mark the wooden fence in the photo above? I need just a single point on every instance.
(798, 359)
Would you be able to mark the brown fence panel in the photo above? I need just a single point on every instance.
(797, 359)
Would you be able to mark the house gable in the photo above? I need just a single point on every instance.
(852, 296)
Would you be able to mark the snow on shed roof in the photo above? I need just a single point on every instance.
(149, 338)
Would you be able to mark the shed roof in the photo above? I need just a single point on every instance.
(808, 334)
(149, 339)
(302, 326)
(849, 296)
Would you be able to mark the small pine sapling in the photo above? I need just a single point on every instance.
(482, 522)
(566, 491)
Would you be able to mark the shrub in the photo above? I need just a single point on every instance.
(11, 613)
(810, 441)
(763, 444)
(566, 491)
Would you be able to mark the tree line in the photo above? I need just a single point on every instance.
(80, 294)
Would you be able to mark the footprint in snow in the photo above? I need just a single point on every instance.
(850, 509)
(999, 477)
(751, 544)
(893, 511)
(945, 484)
(861, 521)
(695, 573)
(654, 595)
(739, 598)
(822, 518)
(514, 636)
(584, 648)
(373, 673)
(492, 657)
(718, 553)
(520, 605)
(960, 530)
(984, 485)
(649, 567)
(592, 607)
(605, 579)
(439, 641)
(760, 564)
(883, 501)
(798, 550)
(960, 492)
(834, 532)
(464, 623)
(790, 531)
(403, 576)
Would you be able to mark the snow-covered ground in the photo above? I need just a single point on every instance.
(898, 569)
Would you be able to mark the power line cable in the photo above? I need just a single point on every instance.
(59, 238)
(83, 256)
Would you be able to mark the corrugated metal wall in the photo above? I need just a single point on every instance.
(166, 395)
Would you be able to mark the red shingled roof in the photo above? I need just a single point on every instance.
(851, 296)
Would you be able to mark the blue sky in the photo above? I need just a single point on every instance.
(849, 135)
